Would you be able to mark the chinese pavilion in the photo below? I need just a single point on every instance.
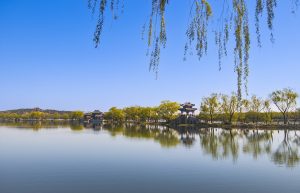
(187, 115)
(187, 109)
(93, 117)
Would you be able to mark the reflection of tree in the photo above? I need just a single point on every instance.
(187, 139)
(225, 143)
(114, 130)
(37, 125)
(76, 127)
(94, 126)
(296, 139)
(229, 143)
(287, 152)
(258, 142)
(219, 143)
(209, 142)
(166, 137)
(138, 131)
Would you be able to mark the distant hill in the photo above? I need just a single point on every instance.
(23, 111)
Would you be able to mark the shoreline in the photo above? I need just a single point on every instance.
(172, 126)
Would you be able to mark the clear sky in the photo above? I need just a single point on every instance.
(48, 59)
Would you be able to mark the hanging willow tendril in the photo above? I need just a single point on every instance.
(271, 4)
(295, 5)
(258, 14)
(197, 29)
(232, 20)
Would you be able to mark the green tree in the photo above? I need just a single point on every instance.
(13, 116)
(210, 105)
(2, 115)
(132, 113)
(76, 115)
(56, 116)
(65, 116)
(167, 110)
(114, 114)
(268, 113)
(298, 114)
(138, 114)
(256, 107)
(36, 115)
(145, 114)
(284, 100)
(229, 106)
(154, 114)
(204, 113)
(244, 109)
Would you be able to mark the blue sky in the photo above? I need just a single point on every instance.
(48, 59)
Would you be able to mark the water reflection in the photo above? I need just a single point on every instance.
(36, 125)
(76, 127)
(220, 143)
(287, 152)
(95, 127)
(257, 142)
(280, 146)
(225, 144)
(166, 137)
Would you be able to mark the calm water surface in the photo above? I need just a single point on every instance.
(109, 159)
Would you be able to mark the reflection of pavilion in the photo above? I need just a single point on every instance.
(187, 138)
(95, 127)
(187, 135)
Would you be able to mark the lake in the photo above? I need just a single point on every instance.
(62, 158)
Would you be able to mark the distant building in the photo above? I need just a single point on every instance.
(95, 117)
(187, 115)
(187, 109)
(87, 117)
(37, 109)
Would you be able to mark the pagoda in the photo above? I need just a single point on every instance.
(187, 115)
(93, 117)
(187, 109)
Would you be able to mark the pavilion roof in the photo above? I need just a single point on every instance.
(187, 104)
(97, 111)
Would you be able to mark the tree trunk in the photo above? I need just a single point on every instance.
(285, 120)
(230, 119)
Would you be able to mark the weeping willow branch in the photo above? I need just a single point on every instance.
(233, 21)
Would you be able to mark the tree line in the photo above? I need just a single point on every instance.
(38, 115)
(280, 106)
(165, 112)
